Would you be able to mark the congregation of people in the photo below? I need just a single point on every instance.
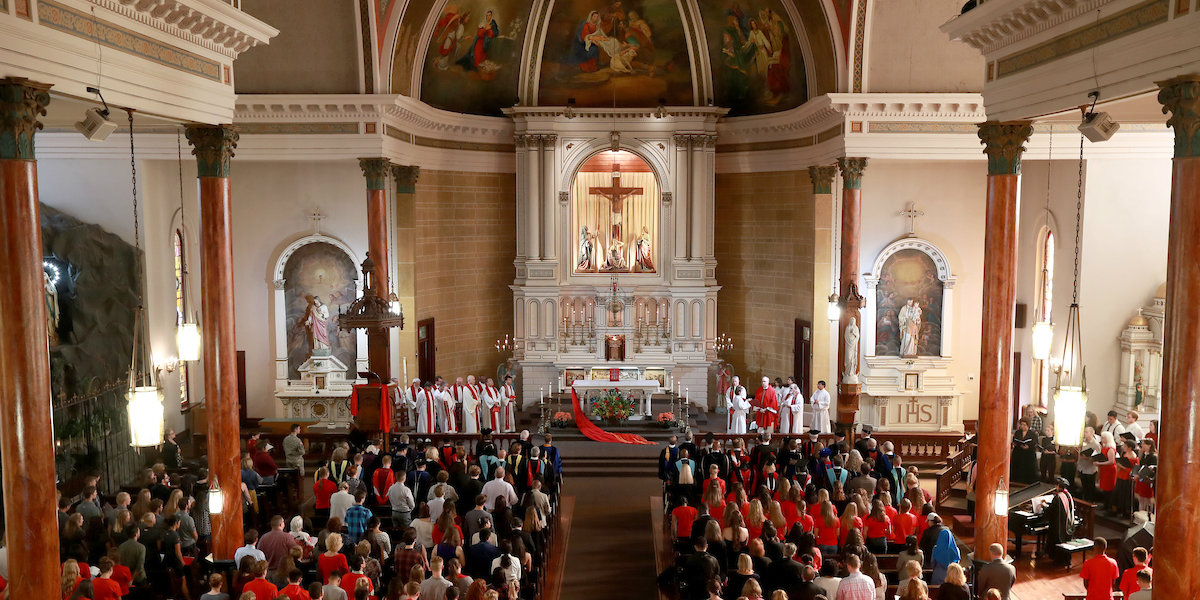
(470, 519)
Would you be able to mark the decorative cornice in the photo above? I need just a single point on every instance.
(406, 178)
(376, 172)
(822, 178)
(21, 103)
(1181, 97)
(213, 147)
(1003, 143)
(852, 171)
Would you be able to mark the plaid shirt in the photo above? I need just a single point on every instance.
(856, 587)
(356, 522)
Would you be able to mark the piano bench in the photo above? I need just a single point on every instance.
(1073, 547)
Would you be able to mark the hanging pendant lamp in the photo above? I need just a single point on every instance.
(1070, 392)
(145, 399)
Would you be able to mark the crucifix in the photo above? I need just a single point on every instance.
(616, 196)
(911, 213)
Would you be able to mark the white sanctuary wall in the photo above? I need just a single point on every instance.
(952, 195)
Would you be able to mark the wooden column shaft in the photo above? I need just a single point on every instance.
(26, 434)
(220, 360)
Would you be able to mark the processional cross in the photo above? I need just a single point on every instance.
(616, 195)
(911, 213)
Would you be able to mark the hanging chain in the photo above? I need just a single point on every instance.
(1078, 221)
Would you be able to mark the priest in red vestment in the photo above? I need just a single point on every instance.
(767, 407)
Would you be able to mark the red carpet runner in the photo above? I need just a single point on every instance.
(589, 429)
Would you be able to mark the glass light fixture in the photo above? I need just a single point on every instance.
(187, 341)
(835, 308)
(1000, 506)
(216, 499)
(1070, 391)
(1043, 337)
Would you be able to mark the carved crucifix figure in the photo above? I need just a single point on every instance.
(616, 196)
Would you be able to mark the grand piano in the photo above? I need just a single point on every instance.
(1024, 518)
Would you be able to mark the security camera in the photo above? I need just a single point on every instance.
(95, 125)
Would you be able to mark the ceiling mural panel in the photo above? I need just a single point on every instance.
(623, 53)
(473, 60)
(757, 63)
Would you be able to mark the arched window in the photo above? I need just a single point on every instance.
(1045, 306)
(180, 311)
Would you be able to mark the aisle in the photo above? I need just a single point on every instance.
(611, 550)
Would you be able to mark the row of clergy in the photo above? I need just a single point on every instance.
(465, 407)
(776, 408)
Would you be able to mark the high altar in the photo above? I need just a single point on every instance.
(615, 264)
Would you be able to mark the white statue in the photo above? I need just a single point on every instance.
(910, 327)
(316, 321)
(851, 371)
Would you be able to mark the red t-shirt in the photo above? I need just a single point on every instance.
(1099, 573)
(827, 535)
(261, 588)
(323, 489)
(1129, 582)
(106, 589)
(329, 564)
(294, 592)
(684, 517)
(878, 529)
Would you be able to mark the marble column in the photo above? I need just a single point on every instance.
(1177, 547)
(376, 170)
(213, 147)
(405, 276)
(1004, 143)
(26, 433)
(849, 387)
(823, 205)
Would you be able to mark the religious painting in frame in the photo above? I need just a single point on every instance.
(319, 283)
(908, 306)
(624, 53)
(473, 61)
(757, 63)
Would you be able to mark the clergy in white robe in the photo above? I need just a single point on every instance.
(448, 420)
(470, 406)
(792, 415)
(426, 409)
(820, 403)
(508, 401)
(735, 399)
(491, 403)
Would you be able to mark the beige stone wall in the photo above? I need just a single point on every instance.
(764, 250)
(465, 247)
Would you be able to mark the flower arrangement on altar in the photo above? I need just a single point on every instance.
(667, 420)
(612, 405)
(562, 419)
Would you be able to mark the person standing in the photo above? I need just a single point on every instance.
(820, 404)
(1099, 572)
(293, 450)
(766, 406)
(735, 399)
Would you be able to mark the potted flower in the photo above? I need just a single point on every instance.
(562, 419)
(613, 406)
(667, 420)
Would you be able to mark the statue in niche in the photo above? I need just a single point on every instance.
(587, 246)
(910, 327)
(851, 371)
(644, 263)
(316, 324)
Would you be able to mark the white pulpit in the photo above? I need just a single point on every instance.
(641, 389)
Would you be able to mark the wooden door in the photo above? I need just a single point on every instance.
(426, 350)
(802, 357)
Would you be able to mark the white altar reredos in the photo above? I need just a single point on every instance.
(662, 314)
(911, 392)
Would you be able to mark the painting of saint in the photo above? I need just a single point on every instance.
(758, 66)
(626, 52)
(473, 61)
(908, 306)
(319, 283)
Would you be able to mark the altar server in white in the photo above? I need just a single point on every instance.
(470, 406)
(793, 413)
(508, 401)
(735, 399)
(820, 403)
(491, 403)
(426, 408)
(448, 419)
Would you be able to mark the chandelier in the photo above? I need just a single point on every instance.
(371, 311)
